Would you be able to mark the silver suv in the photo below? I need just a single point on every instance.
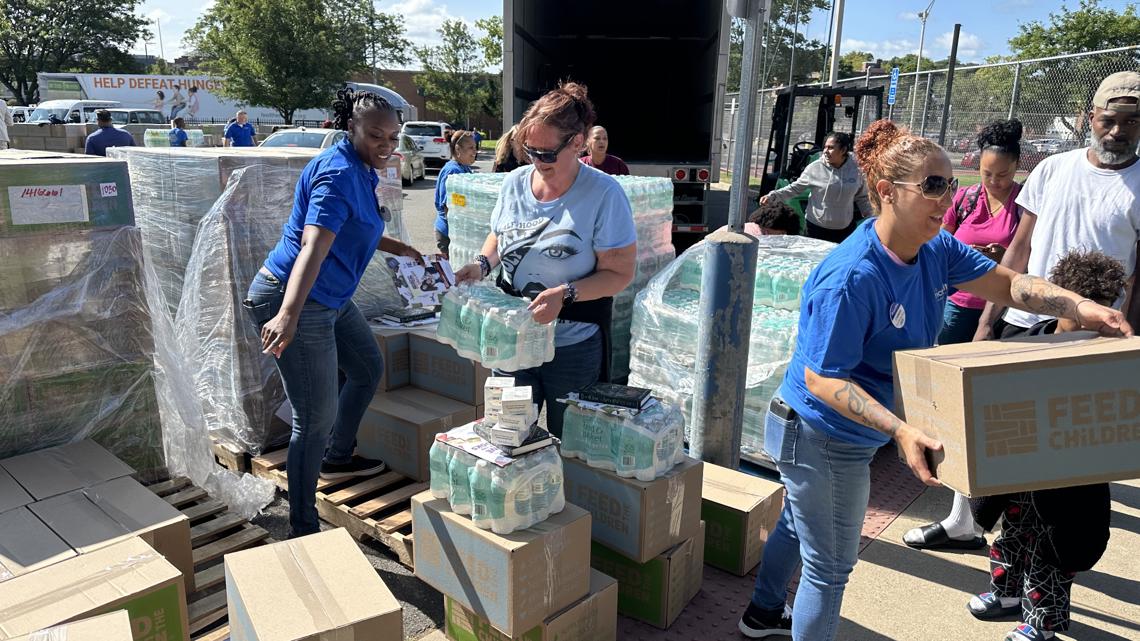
(431, 138)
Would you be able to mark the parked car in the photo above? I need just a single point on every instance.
(313, 137)
(1046, 145)
(21, 114)
(431, 138)
(136, 117)
(69, 111)
(411, 160)
(1029, 159)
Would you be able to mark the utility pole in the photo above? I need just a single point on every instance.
(836, 37)
(795, 37)
(918, 63)
(161, 51)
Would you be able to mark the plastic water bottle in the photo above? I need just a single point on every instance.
(479, 478)
(520, 490)
(457, 468)
(449, 312)
(539, 501)
(469, 328)
(573, 437)
(555, 494)
(502, 519)
(598, 437)
(439, 457)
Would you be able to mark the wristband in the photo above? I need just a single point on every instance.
(1077, 309)
(571, 294)
(484, 265)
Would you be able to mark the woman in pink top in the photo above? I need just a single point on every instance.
(984, 216)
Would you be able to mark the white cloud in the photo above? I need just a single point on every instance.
(969, 46)
(908, 16)
(422, 18)
(882, 48)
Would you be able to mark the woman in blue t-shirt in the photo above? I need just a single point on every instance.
(564, 236)
(462, 161)
(301, 299)
(883, 289)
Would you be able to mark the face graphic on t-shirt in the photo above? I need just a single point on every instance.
(534, 253)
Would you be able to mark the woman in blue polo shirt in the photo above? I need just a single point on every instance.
(883, 289)
(302, 301)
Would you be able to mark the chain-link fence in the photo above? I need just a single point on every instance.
(1051, 97)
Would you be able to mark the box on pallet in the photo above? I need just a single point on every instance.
(67, 193)
(637, 518)
(12, 495)
(439, 368)
(594, 618)
(739, 511)
(515, 581)
(393, 344)
(58, 470)
(104, 514)
(128, 575)
(314, 587)
(115, 626)
(26, 544)
(1026, 414)
(399, 427)
(657, 591)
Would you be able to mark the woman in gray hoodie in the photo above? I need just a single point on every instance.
(837, 190)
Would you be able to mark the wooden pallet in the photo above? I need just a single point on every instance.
(230, 456)
(376, 507)
(214, 532)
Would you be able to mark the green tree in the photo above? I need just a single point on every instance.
(909, 63)
(283, 54)
(452, 77)
(851, 63)
(1062, 90)
(378, 37)
(777, 54)
(81, 35)
(492, 40)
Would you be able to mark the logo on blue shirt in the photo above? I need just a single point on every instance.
(898, 315)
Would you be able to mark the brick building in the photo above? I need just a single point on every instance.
(403, 82)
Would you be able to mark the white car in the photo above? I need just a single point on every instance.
(411, 161)
(431, 139)
(21, 114)
(69, 111)
(313, 137)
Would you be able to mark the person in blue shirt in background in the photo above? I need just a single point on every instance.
(239, 133)
(178, 136)
(881, 290)
(107, 136)
(462, 162)
(301, 300)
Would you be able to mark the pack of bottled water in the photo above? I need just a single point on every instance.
(471, 201)
(485, 323)
(501, 498)
(644, 446)
(666, 317)
(161, 138)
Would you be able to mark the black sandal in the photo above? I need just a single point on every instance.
(989, 608)
(934, 537)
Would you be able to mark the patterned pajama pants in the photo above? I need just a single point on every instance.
(1019, 569)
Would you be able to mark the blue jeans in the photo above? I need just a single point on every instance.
(828, 483)
(574, 366)
(958, 324)
(325, 420)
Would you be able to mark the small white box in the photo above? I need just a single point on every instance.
(519, 421)
(494, 386)
(517, 401)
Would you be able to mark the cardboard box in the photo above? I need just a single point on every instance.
(12, 495)
(309, 589)
(400, 426)
(439, 368)
(636, 518)
(656, 592)
(515, 581)
(99, 516)
(39, 194)
(1026, 414)
(115, 626)
(393, 343)
(58, 470)
(739, 511)
(128, 575)
(594, 618)
(26, 544)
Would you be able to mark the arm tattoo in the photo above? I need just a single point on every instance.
(1038, 295)
(869, 412)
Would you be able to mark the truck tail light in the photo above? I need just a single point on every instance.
(680, 173)
(703, 175)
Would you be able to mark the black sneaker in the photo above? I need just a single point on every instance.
(358, 466)
(758, 623)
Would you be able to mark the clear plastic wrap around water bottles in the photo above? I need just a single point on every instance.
(665, 325)
(485, 323)
(500, 499)
(644, 447)
(161, 138)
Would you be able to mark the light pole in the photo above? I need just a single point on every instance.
(918, 63)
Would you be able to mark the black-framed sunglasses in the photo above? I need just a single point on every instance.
(934, 187)
(547, 157)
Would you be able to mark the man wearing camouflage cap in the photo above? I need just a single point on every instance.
(1082, 199)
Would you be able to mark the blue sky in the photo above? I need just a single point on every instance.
(885, 28)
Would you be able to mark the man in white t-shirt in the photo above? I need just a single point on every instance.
(1083, 199)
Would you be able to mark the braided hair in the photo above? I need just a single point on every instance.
(350, 104)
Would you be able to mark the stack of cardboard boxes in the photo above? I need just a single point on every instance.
(82, 538)
(427, 388)
(68, 138)
(76, 350)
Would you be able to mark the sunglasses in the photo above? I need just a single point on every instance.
(934, 187)
(546, 157)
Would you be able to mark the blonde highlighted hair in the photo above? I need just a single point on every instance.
(567, 109)
(889, 152)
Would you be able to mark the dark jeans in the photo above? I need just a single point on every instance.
(574, 366)
(959, 324)
(325, 421)
(442, 243)
(832, 235)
